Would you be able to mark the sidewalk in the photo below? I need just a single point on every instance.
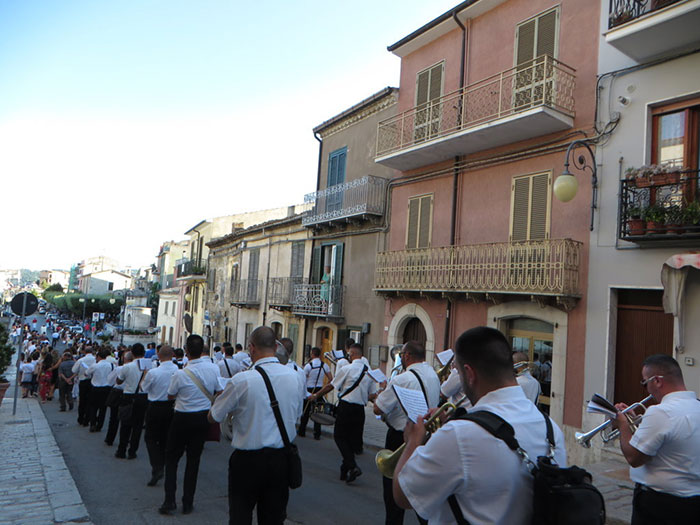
(36, 486)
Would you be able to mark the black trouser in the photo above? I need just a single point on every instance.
(307, 412)
(113, 425)
(65, 394)
(159, 414)
(347, 433)
(130, 432)
(187, 433)
(650, 507)
(394, 513)
(258, 477)
(84, 401)
(98, 407)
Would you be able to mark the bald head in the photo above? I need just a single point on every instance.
(165, 353)
(519, 357)
(128, 357)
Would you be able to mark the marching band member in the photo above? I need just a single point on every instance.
(257, 474)
(316, 371)
(490, 482)
(99, 389)
(81, 367)
(529, 384)
(418, 375)
(228, 366)
(288, 345)
(354, 388)
(664, 452)
(133, 400)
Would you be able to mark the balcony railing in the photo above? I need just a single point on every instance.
(546, 267)
(190, 269)
(356, 198)
(246, 292)
(662, 209)
(543, 81)
(319, 300)
(623, 11)
(281, 290)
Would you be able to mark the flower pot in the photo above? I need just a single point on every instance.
(655, 227)
(674, 229)
(658, 4)
(3, 389)
(659, 179)
(673, 178)
(642, 182)
(636, 227)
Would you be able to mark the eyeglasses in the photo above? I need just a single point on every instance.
(644, 382)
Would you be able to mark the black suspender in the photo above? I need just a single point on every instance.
(425, 394)
(355, 384)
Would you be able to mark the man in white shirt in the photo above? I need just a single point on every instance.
(115, 398)
(133, 403)
(242, 357)
(159, 413)
(529, 384)
(418, 375)
(288, 345)
(355, 387)
(664, 452)
(193, 389)
(228, 366)
(316, 372)
(490, 482)
(81, 367)
(99, 389)
(218, 354)
(257, 473)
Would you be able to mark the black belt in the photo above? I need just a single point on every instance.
(167, 402)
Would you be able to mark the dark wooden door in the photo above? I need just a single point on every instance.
(642, 330)
(414, 331)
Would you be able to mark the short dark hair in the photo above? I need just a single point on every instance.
(665, 365)
(195, 346)
(357, 346)
(103, 353)
(137, 350)
(263, 337)
(316, 351)
(225, 344)
(179, 353)
(349, 342)
(288, 344)
(487, 351)
(239, 346)
(228, 350)
(415, 349)
(217, 349)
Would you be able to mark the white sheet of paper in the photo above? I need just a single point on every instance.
(444, 357)
(338, 354)
(377, 375)
(412, 402)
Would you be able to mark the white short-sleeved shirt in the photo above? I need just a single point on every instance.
(299, 370)
(81, 366)
(246, 397)
(340, 364)
(189, 398)
(389, 404)
(344, 379)
(670, 433)
(530, 386)
(243, 359)
(99, 373)
(27, 369)
(131, 374)
(229, 367)
(452, 389)
(157, 380)
(315, 371)
(489, 480)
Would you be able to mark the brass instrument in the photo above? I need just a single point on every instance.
(521, 367)
(398, 366)
(386, 460)
(328, 356)
(444, 371)
(584, 438)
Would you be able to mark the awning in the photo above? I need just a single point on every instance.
(673, 276)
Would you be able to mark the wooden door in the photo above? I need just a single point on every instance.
(414, 331)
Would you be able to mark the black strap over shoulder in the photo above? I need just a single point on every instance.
(425, 394)
(227, 368)
(275, 406)
(355, 384)
(495, 425)
(550, 432)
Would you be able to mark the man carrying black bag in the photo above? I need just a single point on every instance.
(259, 467)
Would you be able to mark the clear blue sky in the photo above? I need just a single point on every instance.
(126, 122)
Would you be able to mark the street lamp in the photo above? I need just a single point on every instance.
(566, 185)
(82, 300)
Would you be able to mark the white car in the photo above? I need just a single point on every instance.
(76, 329)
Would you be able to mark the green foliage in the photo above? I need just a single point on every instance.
(691, 213)
(6, 353)
(655, 213)
(93, 303)
(55, 288)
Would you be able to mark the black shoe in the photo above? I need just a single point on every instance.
(154, 479)
(301, 434)
(93, 429)
(120, 455)
(70, 407)
(131, 456)
(317, 438)
(353, 474)
(187, 508)
(109, 443)
(343, 474)
(167, 508)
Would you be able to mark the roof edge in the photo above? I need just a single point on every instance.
(357, 107)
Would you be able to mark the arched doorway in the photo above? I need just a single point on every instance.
(277, 328)
(324, 339)
(414, 331)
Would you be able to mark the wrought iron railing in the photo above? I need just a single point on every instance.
(321, 300)
(543, 81)
(246, 292)
(281, 290)
(546, 267)
(189, 268)
(623, 11)
(660, 207)
(365, 196)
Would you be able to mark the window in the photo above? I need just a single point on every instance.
(675, 134)
(328, 255)
(297, 263)
(336, 175)
(530, 207)
(110, 286)
(196, 299)
(420, 219)
(428, 108)
(165, 307)
(253, 263)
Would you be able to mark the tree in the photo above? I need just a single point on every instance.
(55, 288)
(6, 353)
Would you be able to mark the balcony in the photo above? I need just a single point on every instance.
(533, 99)
(545, 268)
(280, 293)
(359, 199)
(190, 271)
(245, 293)
(661, 210)
(644, 29)
(318, 300)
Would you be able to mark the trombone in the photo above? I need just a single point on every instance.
(584, 438)
(328, 356)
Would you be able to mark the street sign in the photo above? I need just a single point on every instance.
(95, 316)
(32, 303)
(102, 316)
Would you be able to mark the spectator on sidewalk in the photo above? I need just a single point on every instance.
(27, 370)
(65, 380)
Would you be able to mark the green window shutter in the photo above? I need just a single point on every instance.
(538, 206)
(422, 87)
(316, 265)
(253, 263)
(546, 33)
(519, 215)
(338, 273)
(525, 42)
(425, 221)
(297, 269)
(412, 224)
(435, 89)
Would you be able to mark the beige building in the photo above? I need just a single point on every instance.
(104, 281)
(51, 277)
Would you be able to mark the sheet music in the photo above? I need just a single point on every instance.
(445, 356)
(338, 354)
(377, 375)
(412, 402)
(599, 405)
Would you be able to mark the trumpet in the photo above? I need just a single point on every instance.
(386, 460)
(584, 438)
(328, 356)
(444, 371)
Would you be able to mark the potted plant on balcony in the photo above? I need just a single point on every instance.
(658, 4)
(635, 224)
(691, 215)
(640, 176)
(655, 217)
(620, 17)
(674, 220)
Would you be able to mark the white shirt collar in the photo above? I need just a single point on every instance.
(266, 360)
(507, 393)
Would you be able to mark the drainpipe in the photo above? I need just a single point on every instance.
(455, 181)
